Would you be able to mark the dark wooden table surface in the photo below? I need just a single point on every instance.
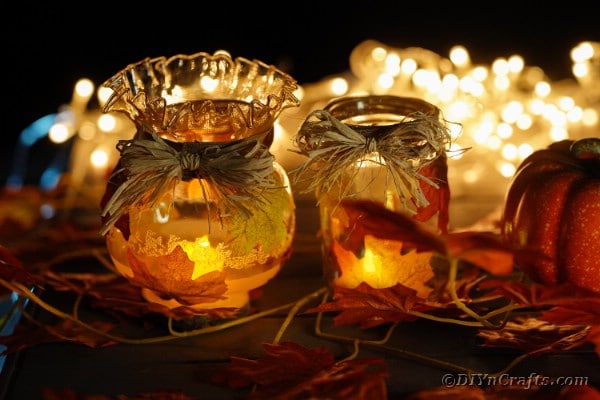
(187, 364)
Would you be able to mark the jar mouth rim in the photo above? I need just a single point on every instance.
(163, 94)
(391, 108)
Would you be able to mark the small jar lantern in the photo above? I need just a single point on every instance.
(389, 151)
(197, 212)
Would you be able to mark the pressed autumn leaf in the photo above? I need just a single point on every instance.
(383, 265)
(534, 336)
(266, 229)
(290, 371)
(175, 279)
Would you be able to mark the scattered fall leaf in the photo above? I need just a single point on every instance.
(65, 330)
(538, 295)
(293, 372)
(369, 307)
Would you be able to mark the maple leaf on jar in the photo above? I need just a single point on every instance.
(383, 265)
(174, 281)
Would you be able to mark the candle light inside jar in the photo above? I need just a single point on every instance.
(383, 264)
(382, 151)
(379, 262)
(182, 257)
(197, 213)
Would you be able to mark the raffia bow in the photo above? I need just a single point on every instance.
(238, 171)
(333, 148)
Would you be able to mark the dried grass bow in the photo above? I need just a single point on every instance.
(333, 148)
(238, 171)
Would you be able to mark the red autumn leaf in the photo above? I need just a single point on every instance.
(561, 305)
(371, 307)
(11, 269)
(65, 330)
(537, 295)
(290, 371)
(175, 280)
(534, 336)
(581, 313)
(371, 218)
(439, 197)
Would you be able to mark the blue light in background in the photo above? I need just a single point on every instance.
(29, 136)
(6, 304)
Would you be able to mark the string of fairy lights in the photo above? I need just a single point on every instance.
(499, 113)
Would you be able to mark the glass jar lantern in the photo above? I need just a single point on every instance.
(198, 213)
(388, 151)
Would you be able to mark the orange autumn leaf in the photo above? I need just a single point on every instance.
(175, 279)
(383, 265)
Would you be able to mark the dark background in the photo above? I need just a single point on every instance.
(47, 47)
